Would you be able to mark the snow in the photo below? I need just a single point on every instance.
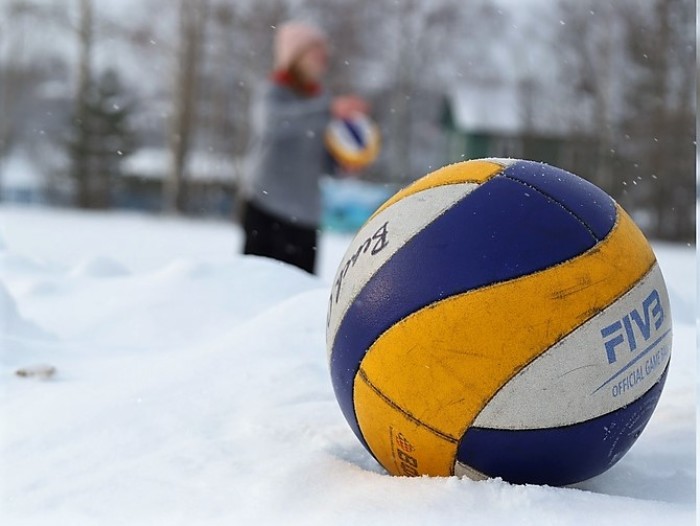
(191, 387)
(490, 107)
(19, 173)
(487, 108)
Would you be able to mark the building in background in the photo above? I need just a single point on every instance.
(211, 181)
(492, 120)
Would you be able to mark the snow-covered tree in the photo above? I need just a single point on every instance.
(101, 136)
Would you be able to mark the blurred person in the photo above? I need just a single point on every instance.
(282, 197)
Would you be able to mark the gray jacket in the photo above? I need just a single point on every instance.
(287, 155)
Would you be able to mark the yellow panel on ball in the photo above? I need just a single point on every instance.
(424, 453)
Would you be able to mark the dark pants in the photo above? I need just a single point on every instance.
(273, 237)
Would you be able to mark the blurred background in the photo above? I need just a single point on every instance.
(144, 104)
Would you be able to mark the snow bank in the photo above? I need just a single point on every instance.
(18, 335)
(192, 388)
(13, 326)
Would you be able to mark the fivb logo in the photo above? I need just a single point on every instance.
(626, 331)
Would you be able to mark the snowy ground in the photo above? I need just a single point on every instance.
(191, 387)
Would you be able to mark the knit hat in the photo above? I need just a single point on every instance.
(292, 39)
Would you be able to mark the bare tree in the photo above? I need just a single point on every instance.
(193, 18)
(625, 65)
(253, 58)
(660, 116)
(591, 60)
(16, 77)
(435, 47)
(82, 171)
(238, 58)
(219, 72)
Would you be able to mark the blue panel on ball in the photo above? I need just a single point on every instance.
(559, 456)
(585, 200)
(502, 230)
(356, 132)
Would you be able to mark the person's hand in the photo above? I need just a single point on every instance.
(347, 170)
(345, 106)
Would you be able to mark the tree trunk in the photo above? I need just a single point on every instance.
(192, 23)
(81, 164)
(400, 122)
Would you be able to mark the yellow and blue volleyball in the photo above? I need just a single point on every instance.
(353, 142)
(499, 318)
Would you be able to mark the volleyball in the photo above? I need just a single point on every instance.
(353, 142)
(499, 318)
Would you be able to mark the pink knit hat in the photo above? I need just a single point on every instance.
(291, 39)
